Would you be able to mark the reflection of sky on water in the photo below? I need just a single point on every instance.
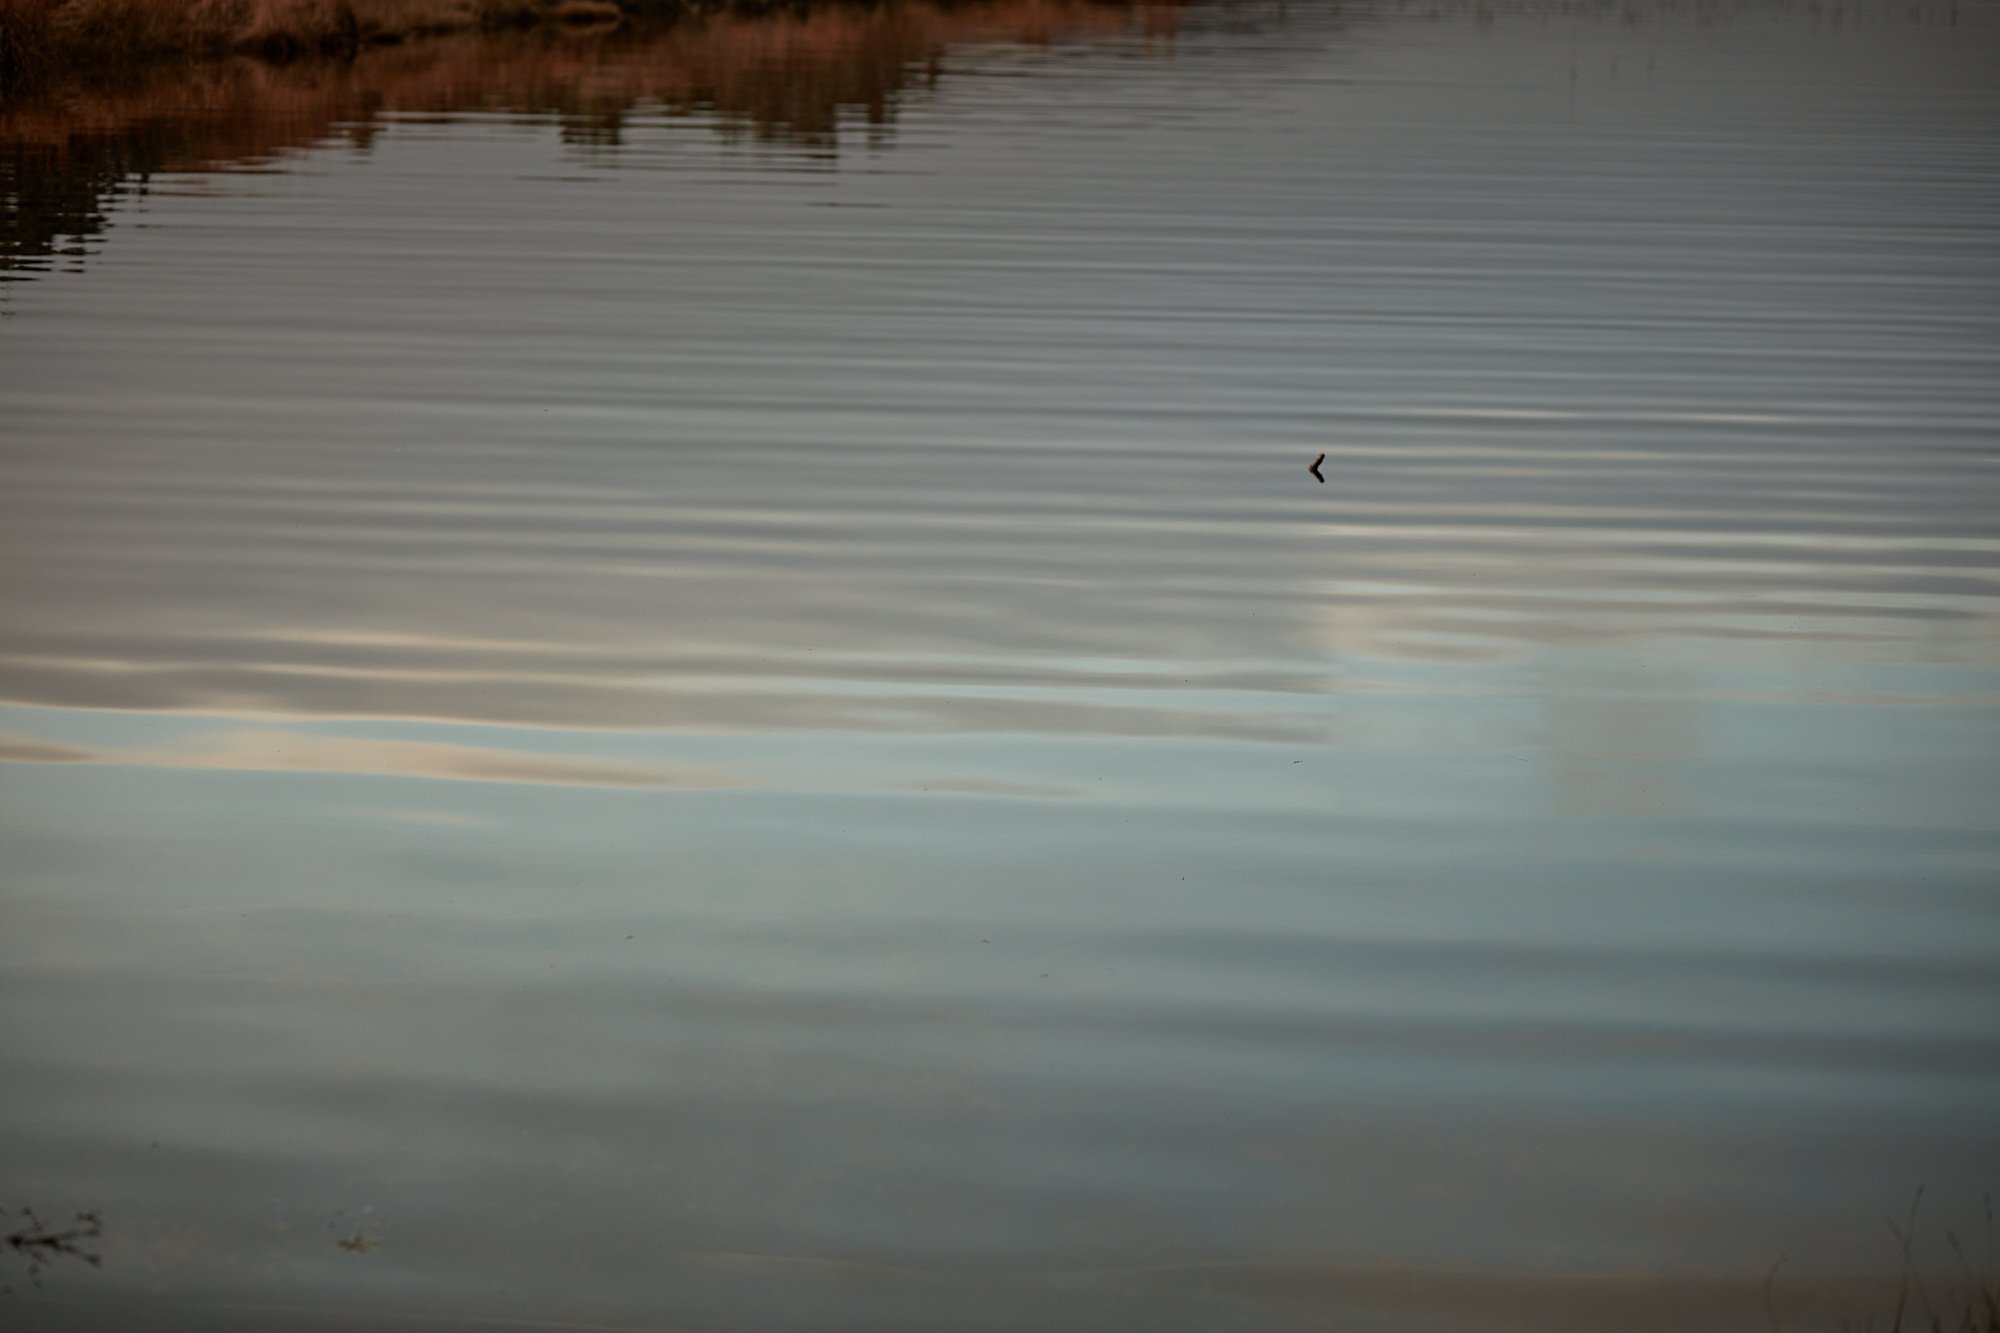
(772, 747)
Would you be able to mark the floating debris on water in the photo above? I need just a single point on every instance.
(40, 1242)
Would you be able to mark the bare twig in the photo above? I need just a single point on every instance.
(1770, 1300)
(40, 1243)
(1905, 1241)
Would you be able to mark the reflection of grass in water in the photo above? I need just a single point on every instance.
(1973, 1307)
(789, 77)
(1968, 1302)
(41, 1243)
(42, 38)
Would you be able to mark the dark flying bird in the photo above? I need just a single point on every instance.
(1314, 469)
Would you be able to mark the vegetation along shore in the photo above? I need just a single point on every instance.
(44, 37)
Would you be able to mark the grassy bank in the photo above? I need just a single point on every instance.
(41, 37)
(783, 77)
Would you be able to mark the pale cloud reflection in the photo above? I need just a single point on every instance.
(431, 818)
(276, 750)
(1618, 741)
(23, 750)
(767, 687)
(1202, 597)
(1496, 587)
(973, 785)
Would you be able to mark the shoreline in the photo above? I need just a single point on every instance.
(46, 40)
(83, 136)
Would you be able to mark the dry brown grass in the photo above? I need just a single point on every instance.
(83, 137)
(80, 138)
(39, 36)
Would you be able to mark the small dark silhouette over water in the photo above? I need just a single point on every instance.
(1314, 469)
(363, 1240)
(41, 1243)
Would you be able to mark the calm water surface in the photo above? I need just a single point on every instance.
(696, 683)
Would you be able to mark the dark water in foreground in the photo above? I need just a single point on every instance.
(697, 683)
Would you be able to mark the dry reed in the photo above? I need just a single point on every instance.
(40, 37)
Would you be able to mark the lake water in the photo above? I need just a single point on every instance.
(695, 681)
